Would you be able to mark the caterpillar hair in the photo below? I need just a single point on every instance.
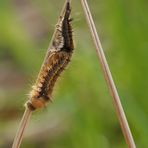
(57, 57)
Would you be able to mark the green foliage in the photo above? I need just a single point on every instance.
(82, 114)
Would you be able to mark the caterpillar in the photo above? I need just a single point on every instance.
(57, 58)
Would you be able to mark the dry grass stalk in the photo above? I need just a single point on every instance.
(57, 57)
(21, 129)
(108, 77)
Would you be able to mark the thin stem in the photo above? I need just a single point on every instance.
(108, 77)
(27, 114)
(23, 124)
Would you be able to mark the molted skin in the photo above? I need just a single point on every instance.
(57, 58)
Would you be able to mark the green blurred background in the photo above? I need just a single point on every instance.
(82, 114)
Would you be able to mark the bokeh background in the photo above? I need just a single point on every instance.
(82, 114)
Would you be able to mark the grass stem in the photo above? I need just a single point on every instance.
(108, 77)
(23, 124)
(27, 114)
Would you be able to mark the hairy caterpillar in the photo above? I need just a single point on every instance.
(57, 58)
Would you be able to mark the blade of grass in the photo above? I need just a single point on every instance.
(27, 114)
(23, 124)
(108, 77)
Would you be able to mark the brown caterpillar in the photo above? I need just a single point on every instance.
(57, 58)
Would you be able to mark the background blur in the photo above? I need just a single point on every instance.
(82, 114)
